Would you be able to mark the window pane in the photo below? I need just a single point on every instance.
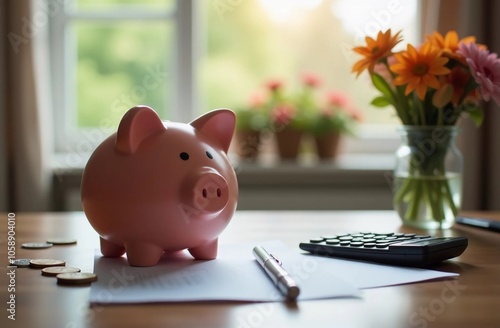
(113, 4)
(252, 41)
(119, 66)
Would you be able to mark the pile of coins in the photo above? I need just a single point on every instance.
(55, 268)
(49, 243)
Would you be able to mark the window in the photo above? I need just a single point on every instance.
(249, 42)
(109, 55)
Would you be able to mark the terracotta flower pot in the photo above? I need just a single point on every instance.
(327, 145)
(288, 141)
(247, 144)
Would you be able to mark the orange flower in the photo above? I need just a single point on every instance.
(418, 69)
(375, 50)
(449, 43)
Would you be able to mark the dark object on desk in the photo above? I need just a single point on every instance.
(388, 248)
(480, 223)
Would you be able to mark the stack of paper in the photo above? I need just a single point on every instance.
(235, 275)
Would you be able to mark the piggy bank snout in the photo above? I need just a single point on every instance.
(207, 191)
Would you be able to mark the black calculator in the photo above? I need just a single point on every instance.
(403, 249)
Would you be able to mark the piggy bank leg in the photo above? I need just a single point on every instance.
(109, 249)
(206, 251)
(143, 255)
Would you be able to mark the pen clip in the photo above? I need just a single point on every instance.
(276, 259)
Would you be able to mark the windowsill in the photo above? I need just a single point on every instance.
(352, 181)
(269, 164)
(345, 161)
(347, 169)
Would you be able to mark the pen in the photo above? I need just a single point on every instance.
(480, 223)
(272, 267)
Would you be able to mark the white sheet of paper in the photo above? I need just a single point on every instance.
(236, 276)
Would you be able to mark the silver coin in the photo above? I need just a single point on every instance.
(61, 241)
(76, 278)
(55, 270)
(37, 245)
(43, 263)
(21, 263)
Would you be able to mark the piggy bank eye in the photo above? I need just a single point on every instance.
(209, 155)
(184, 156)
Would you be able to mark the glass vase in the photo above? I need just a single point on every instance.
(427, 190)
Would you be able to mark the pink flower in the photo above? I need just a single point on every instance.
(354, 113)
(282, 114)
(257, 99)
(485, 67)
(327, 112)
(311, 80)
(336, 98)
(274, 84)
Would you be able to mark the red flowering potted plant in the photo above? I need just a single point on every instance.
(328, 123)
(287, 120)
(251, 120)
(290, 115)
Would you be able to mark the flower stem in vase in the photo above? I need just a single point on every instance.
(427, 194)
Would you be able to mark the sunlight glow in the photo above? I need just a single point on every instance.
(366, 17)
(284, 11)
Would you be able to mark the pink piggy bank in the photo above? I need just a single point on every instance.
(158, 187)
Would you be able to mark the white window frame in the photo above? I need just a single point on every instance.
(372, 139)
(80, 142)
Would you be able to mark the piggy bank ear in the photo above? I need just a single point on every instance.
(136, 125)
(219, 124)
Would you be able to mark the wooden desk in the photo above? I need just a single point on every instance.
(469, 301)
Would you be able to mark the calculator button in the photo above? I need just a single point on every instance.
(409, 235)
(332, 241)
(384, 234)
(344, 238)
(316, 240)
(326, 237)
(368, 240)
(356, 244)
(379, 237)
(357, 239)
(357, 235)
(381, 241)
(369, 245)
(398, 234)
(344, 243)
(382, 245)
(342, 234)
(368, 235)
(391, 238)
